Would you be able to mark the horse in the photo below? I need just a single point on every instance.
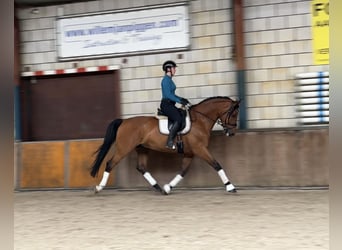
(141, 133)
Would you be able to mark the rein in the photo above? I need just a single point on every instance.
(205, 116)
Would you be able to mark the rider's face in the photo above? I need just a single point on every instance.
(173, 70)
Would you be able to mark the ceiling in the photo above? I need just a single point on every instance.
(36, 3)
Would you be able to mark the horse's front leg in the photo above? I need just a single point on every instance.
(229, 186)
(205, 155)
(185, 167)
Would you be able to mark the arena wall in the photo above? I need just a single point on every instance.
(293, 158)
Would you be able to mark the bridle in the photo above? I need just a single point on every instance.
(226, 120)
(226, 123)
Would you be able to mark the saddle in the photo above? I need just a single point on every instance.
(165, 123)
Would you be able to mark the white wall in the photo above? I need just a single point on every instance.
(277, 40)
(278, 46)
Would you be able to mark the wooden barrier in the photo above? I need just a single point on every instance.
(42, 165)
(56, 164)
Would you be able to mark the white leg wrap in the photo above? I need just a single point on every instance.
(167, 188)
(176, 180)
(104, 179)
(150, 179)
(230, 187)
(173, 183)
(98, 189)
(223, 176)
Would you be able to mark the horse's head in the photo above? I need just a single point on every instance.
(228, 118)
(220, 109)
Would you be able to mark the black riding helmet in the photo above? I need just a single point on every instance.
(168, 64)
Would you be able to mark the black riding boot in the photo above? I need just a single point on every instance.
(172, 135)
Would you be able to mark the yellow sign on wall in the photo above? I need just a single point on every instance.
(320, 31)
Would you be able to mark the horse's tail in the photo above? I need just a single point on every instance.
(108, 140)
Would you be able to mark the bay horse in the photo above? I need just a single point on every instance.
(142, 133)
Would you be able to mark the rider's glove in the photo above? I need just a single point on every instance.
(184, 101)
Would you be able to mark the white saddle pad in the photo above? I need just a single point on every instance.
(163, 124)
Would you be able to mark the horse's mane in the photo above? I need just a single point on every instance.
(214, 97)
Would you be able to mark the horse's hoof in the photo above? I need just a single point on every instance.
(96, 190)
(167, 189)
(230, 188)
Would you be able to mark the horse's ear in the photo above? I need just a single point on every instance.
(237, 103)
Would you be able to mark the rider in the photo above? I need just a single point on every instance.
(169, 99)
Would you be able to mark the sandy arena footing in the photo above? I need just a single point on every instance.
(186, 219)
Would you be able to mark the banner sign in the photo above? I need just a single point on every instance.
(140, 31)
(320, 31)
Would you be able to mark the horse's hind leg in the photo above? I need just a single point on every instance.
(106, 173)
(141, 167)
(121, 150)
(185, 167)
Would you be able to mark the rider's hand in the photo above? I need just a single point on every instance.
(184, 101)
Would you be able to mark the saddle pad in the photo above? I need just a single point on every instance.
(163, 124)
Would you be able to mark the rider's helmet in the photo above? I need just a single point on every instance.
(168, 64)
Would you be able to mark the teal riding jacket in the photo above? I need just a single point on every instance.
(169, 89)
